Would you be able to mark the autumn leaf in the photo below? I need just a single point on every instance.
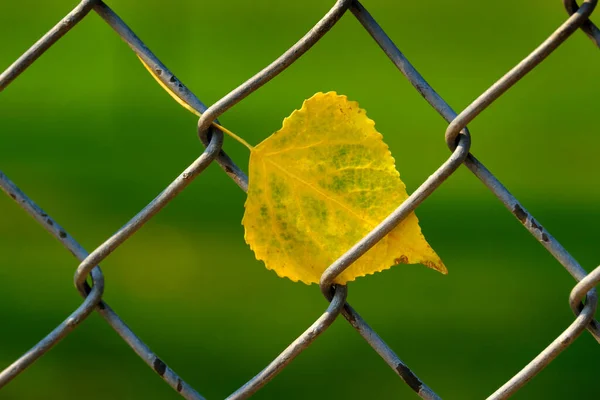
(320, 184)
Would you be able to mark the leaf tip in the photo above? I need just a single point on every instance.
(436, 265)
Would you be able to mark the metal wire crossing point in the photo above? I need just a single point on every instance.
(457, 138)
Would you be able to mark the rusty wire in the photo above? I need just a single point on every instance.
(458, 140)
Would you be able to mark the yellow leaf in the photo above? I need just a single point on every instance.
(320, 184)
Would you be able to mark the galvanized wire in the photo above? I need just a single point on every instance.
(457, 138)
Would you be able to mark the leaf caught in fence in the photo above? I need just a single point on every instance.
(320, 184)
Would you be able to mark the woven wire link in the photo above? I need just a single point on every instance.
(457, 138)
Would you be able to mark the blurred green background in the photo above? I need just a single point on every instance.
(92, 139)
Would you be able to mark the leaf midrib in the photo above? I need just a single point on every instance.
(320, 192)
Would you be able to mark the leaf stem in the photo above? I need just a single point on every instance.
(233, 135)
(188, 107)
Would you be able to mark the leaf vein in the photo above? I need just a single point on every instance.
(323, 194)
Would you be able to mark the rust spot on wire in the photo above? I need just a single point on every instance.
(173, 79)
(62, 234)
(49, 222)
(351, 318)
(520, 213)
(159, 366)
(14, 196)
(545, 237)
(179, 385)
(535, 226)
(158, 71)
(228, 169)
(407, 375)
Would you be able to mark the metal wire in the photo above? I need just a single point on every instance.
(457, 138)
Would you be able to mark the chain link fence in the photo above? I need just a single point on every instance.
(583, 297)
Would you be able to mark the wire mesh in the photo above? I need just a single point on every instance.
(457, 137)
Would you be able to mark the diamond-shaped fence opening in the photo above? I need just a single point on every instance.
(583, 298)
